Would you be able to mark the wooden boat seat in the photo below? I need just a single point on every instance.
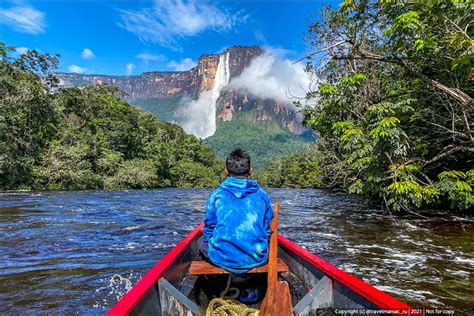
(204, 267)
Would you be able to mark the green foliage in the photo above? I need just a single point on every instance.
(327, 89)
(340, 128)
(410, 192)
(135, 174)
(458, 186)
(87, 137)
(394, 109)
(354, 81)
(407, 22)
(295, 171)
(386, 129)
(164, 109)
(265, 142)
(65, 167)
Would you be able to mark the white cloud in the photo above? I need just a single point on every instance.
(21, 50)
(129, 68)
(76, 69)
(147, 57)
(23, 19)
(184, 64)
(168, 21)
(269, 76)
(87, 53)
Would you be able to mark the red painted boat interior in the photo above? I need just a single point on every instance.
(143, 297)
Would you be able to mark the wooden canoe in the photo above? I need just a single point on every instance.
(316, 286)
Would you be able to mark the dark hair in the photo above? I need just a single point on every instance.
(238, 163)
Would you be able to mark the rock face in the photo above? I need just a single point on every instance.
(232, 101)
(193, 82)
(148, 85)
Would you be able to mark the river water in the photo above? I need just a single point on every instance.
(78, 252)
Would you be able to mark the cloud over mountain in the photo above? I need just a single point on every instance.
(271, 76)
(76, 69)
(182, 65)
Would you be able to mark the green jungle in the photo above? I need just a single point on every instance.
(392, 114)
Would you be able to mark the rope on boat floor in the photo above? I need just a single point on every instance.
(229, 307)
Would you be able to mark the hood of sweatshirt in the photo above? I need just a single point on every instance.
(240, 188)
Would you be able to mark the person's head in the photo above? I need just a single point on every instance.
(237, 164)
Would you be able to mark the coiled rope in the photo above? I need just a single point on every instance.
(226, 305)
(229, 307)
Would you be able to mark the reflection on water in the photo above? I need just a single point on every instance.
(81, 251)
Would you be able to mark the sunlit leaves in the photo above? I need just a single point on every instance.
(340, 127)
(4, 50)
(405, 169)
(385, 128)
(397, 109)
(356, 187)
(462, 62)
(389, 122)
(354, 80)
(458, 187)
(408, 22)
(470, 177)
(425, 44)
(327, 89)
(410, 192)
(347, 3)
(351, 134)
(452, 174)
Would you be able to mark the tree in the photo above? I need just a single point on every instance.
(28, 118)
(295, 171)
(393, 107)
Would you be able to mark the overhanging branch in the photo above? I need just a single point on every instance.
(455, 93)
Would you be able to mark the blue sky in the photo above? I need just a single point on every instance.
(130, 37)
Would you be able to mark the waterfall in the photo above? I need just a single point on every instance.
(221, 80)
(199, 116)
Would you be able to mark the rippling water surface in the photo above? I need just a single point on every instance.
(78, 252)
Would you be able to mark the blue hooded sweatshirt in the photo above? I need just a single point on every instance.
(237, 225)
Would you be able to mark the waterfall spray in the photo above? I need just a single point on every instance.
(200, 115)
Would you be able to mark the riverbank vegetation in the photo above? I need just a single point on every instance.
(87, 137)
(393, 108)
(299, 170)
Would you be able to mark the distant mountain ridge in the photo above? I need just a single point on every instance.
(163, 85)
(167, 84)
(170, 96)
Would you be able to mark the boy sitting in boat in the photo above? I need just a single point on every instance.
(237, 221)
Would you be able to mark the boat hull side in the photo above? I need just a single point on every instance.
(349, 291)
(143, 297)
